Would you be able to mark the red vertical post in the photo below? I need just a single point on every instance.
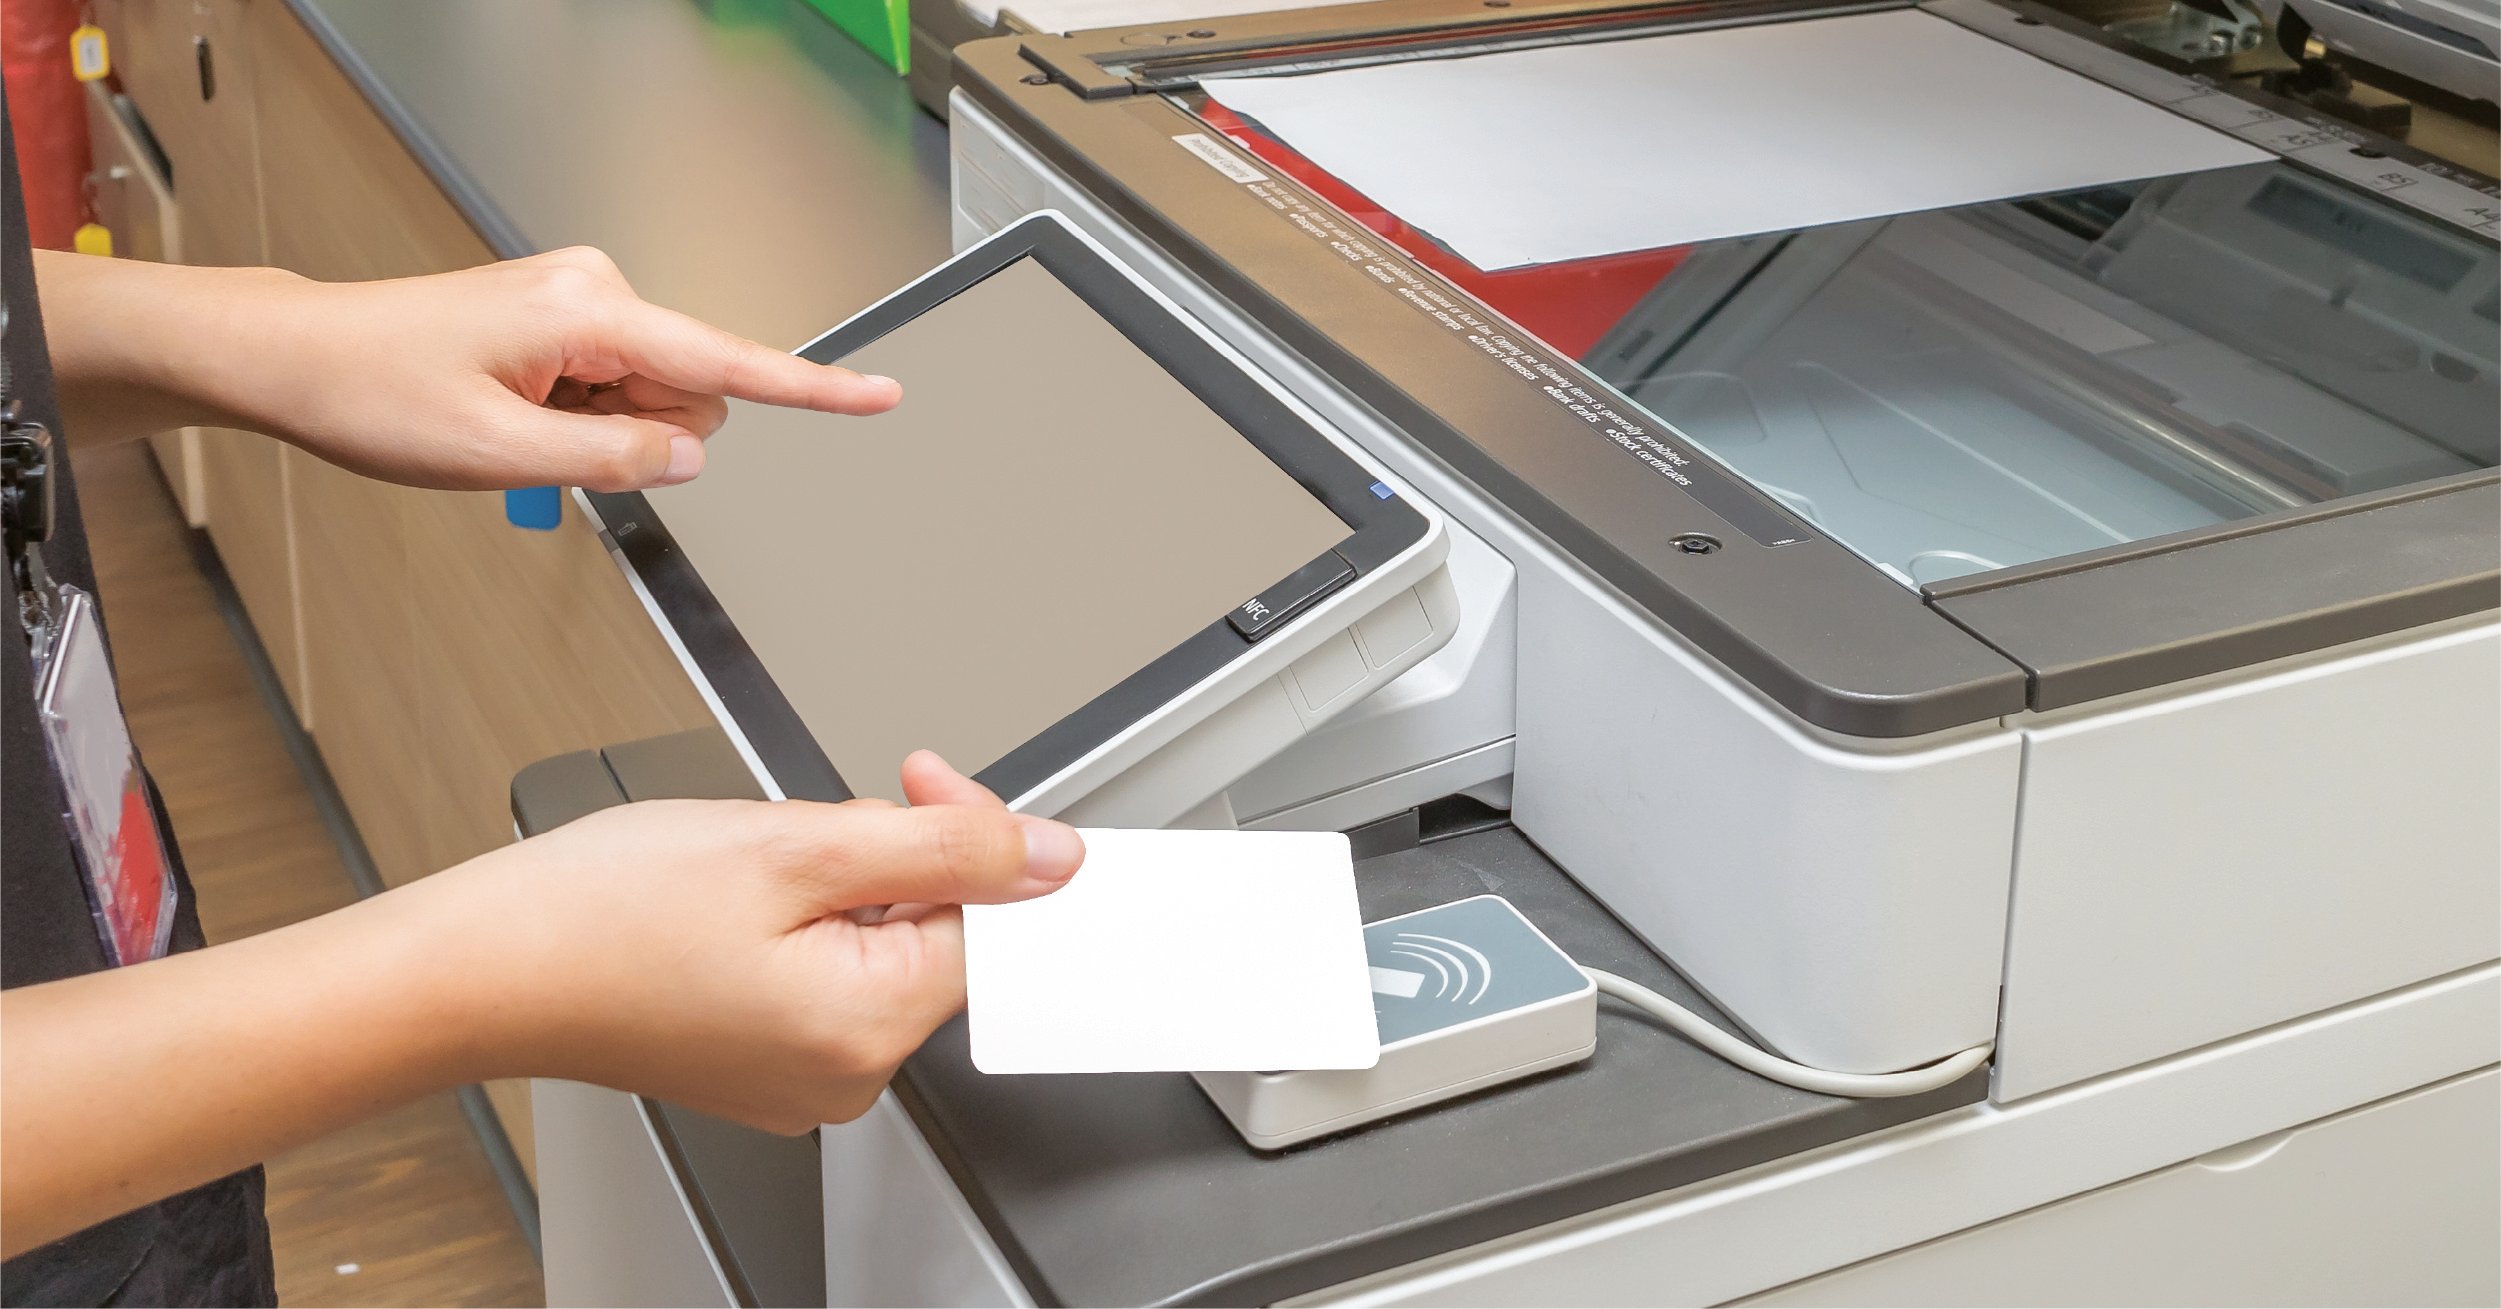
(48, 114)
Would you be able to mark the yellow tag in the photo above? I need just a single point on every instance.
(93, 239)
(87, 54)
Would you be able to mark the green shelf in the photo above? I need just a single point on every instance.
(883, 26)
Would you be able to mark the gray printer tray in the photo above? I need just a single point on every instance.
(1130, 1188)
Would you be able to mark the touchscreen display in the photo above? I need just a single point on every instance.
(1046, 513)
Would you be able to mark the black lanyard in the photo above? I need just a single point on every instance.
(27, 494)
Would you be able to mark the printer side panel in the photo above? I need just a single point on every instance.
(2270, 844)
(1847, 905)
(897, 1231)
(992, 182)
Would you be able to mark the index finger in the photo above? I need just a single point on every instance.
(693, 355)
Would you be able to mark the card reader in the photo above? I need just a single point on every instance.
(1468, 995)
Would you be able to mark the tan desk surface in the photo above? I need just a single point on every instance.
(742, 161)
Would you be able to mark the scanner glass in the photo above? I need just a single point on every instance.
(1047, 512)
(1956, 390)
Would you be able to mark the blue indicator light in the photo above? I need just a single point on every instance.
(1381, 491)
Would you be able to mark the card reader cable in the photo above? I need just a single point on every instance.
(1763, 1063)
(1469, 995)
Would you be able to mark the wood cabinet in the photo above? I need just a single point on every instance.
(431, 648)
(180, 61)
(184, 63)
(134, 200)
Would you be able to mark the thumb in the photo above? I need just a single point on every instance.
(847, 856)
(600, 452)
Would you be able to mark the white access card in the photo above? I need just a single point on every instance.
(1178, 952)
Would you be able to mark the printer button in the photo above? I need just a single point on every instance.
(1266, 611)
(1328, 672)
(1393, 629)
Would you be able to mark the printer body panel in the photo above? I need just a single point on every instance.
(2391, 1203)
(1750, 1232)
(1847, 904)
(2249, 850)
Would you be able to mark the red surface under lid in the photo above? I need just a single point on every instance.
(1569, 306)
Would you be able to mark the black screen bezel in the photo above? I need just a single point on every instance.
(1380, 528)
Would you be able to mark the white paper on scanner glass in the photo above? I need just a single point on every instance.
(1575, 151)
(1057, 16)
(1178, 952)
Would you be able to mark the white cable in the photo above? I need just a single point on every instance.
(1864, 1086)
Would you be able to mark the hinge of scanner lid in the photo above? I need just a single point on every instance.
(1067, 65)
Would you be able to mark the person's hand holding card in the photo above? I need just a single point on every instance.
(709, 958)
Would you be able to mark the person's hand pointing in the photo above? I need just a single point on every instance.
(540, 371)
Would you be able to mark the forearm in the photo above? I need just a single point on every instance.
(120, 1087)
(139, 348)
(699, 951)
